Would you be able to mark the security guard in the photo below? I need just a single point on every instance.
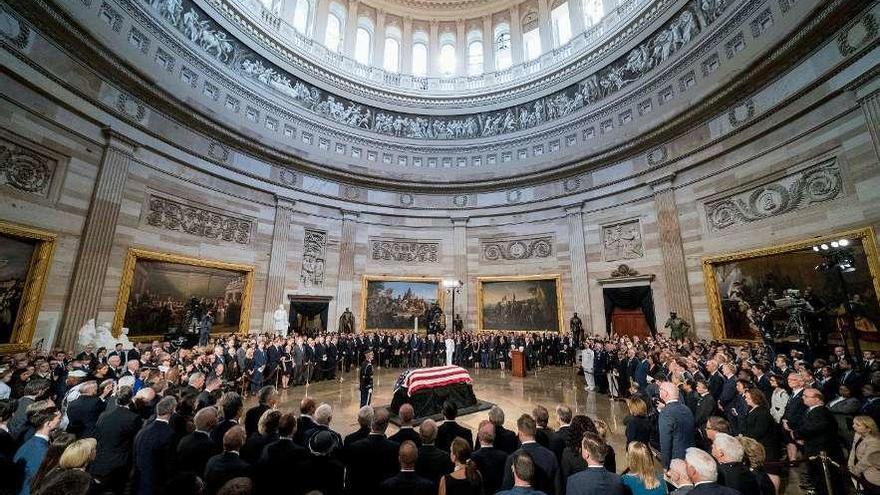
(366, 379)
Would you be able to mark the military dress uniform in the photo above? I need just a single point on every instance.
(366, 383)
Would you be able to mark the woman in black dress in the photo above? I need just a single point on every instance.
(638, 424)
(465, 478)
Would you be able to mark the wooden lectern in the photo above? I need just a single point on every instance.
(518, 363)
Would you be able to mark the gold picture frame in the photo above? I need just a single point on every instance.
(35, 284)
(711, 263)
(135, 255)
(365, 281)
(560, 310)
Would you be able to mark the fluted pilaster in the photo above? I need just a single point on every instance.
(277, 276)
(871, 107)
(488, 45)
(347, 244)
(580, 282)
(459, 246)
(90, 270)
(516, 35)
(678, 295)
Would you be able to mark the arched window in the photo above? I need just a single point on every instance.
(447, 56)
(593, 12)
(475, 57)
(302, 11)
(420, 59)
(333, 38)
(391, 60)
(503, 58)
(561, 22)
(363, 48)
(532, 44)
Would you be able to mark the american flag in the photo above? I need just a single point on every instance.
(440, 376)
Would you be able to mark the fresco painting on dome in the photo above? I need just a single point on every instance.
(15, 261)
(520, 303)
(161, 295)
(394, 304)
(788, 294)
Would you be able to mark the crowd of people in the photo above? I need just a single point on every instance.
(704, 418)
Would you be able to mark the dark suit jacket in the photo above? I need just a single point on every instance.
(325, 474)
(728, 393)
(406, 433)
(222, 468)
(433, 463)
(676, 425)
(490, 461)
(818, 430)
(759, 425)
(407, 483)
(115, 433)
(252, 450)
(272, 472)
(252, 418)
(360, 434)
(706, 407)
(447, 432)
(303, 425)
(716, 384)
(594, 481)
(371, 461)
(559, 441)
(83, 414)
(220, 430)
(737, 476)
(713, 489)
(543, 436)
(548, 477)
(794, 410)
(506, 440)
(194, 450)
(153, 457)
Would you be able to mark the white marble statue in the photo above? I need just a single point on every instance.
(102, 336)
(282, 322)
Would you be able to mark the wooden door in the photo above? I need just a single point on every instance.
(630, 322)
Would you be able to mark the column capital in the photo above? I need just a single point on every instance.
(115, 139)
(350, 215)
(662, 183)
(574, 209)
(459, 221)
(284, 202)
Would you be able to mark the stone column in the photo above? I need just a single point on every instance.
(344, 282)
(275, 281)
(461, 43)
(677, 287)
(871, 107)
(576, 15)
(459, 251)
(351, 25)
(406, 47)
(545, 26)
(516, 36)
(379, 40)
(580, 281)
(434, 49)
(322, 10)
(488, 45)
(90, 271)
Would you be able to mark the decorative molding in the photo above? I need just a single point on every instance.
(405, 251)
(313, 262)
(406, 199)
(109, 15)
(13, 30)
(130, 107)
(857, 34)
(741, 112)
(26, 170)
(571, 184)
(218, 151)
(287, 176)
(623, 241)
(657, 155)
(181, 215)
(816, 184)
(517, 249)
(624, 270)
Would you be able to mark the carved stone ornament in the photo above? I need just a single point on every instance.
(624, 271)
(857, 35)
(623, 241)
(313, 264)
(816, 184)
(405, 251)
(517, 249)
(174, 214)
(213, 40)
(13, 30)
(24, 169)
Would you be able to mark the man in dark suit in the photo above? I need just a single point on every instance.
(544, 434)
(702, 470)
(115, 433)
(728, 389)
(489, 459)
(762, 381)
(560, 438)
(449, 429)
(305, 422)
(716, 380)
(524, 474)
(228, 465)
(373, 459)
(365, 418)
(595, 480)
(505, 439)
(323, 417)
(817, 432)
(272, 472)
(231, 404)
(676, 425)
(794, 409)
(195, 449)
(641, 372)
(432, 463)
(706, 405)
(406, 432)
(407, 482)
(83, 413)
(732, 472)
(548, 476)
(153, 450)
(267, 396)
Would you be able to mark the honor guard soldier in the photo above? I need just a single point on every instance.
(366, 379)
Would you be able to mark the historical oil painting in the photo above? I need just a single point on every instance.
(811, 291)
(395, 303)
(176, 294)
(520, 303)
(15, 262)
